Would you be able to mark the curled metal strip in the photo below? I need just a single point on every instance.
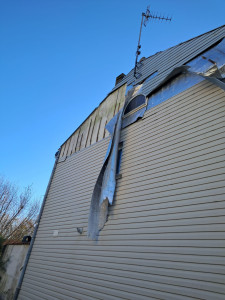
(210, 66)
(104, 189)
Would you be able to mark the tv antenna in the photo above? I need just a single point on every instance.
(144, 20)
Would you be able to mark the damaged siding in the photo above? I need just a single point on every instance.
(164, 238)
(165, 61)
(93, 128)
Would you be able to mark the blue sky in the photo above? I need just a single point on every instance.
(59, 59)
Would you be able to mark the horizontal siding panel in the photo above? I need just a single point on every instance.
(116, 288)
(193, 203)
(176, 165)
(165, 234)
(76, 163)
(188, 151)
(110, 232)
(141, 204)
(86, 177)
(201, 93)
(184, 119)
(183, 158)
(177, 261)
(141, 216)
(151, 239)
(169, 175)
(122, 202)
(196, 96)
(67, 208)
(185, 279)
(189, 250)
(78, 192)
(75, 284)
(133, 241)
(174, 184)
(168, 139)
(156, 209)
(34, 292)
(206, 280)
(187, 254)
(137, 223)
(60, 292)
(156, 134)
(70, 176)
(161, 142)
(134, 218)
(152, 266)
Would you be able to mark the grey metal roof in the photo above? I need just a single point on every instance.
(164, 62)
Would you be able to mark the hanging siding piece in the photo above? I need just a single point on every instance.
(210, 66)
(105, 185)
(104, 189)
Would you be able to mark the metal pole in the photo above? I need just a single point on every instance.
(138, 47)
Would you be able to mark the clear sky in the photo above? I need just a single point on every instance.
(60, 58)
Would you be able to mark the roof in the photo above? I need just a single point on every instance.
(164, 62)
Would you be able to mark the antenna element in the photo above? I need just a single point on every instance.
(144, 20)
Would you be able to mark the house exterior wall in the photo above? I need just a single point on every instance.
(165, 235)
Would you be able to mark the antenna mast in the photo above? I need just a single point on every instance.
(144, 20)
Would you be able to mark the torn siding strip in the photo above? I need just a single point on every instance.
(104, 189)
(105, 185)
(210, 66)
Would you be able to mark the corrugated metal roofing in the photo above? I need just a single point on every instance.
(164, 62)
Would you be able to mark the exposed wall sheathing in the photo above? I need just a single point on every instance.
(165, 236)
(92, 129)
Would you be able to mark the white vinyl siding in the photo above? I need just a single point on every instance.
(165, 235)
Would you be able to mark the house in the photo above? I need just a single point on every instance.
(163, 237)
